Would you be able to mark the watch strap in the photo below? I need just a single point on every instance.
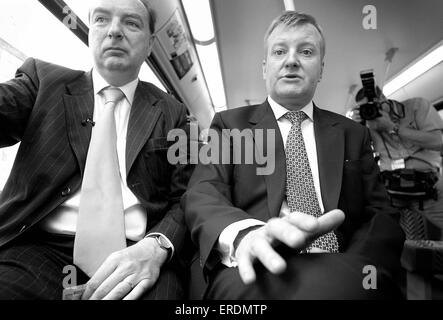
(163, 242)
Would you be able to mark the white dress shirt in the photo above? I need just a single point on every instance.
(63, 220)
(226, 239)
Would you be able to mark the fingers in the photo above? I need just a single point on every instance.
(126, 273)
(265, 253)
(329, 221)
(115, 290)
(105, 270)
(116, 286)
(298, 229)
(245, 268)
(289, 234)
(303, 221)
(140, 289)
(267, 256)
(355, 114)
(256, 245)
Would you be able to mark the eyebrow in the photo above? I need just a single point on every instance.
(125, 16)
(98, 10)
(278, 43)
(300, 44)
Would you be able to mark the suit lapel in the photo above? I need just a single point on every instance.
(330, 154)
(264, 118)
(142, 120)
(79, 105)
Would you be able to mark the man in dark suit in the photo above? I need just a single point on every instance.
(68, 169)
(319, 226)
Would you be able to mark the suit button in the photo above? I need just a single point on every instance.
(66, 192)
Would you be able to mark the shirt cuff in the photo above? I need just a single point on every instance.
(165, 238)
(225, 245)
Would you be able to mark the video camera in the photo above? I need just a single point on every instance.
(371, 109)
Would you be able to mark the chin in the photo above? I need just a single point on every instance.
(290, 94)
(116, 66)
(114, 61)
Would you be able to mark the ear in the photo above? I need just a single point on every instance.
(151, 44)
(321, 71)
(264, 69)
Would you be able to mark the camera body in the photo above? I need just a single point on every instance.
(371, 109)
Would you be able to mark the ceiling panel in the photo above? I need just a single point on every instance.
(240, 26)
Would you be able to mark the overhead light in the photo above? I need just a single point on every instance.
(289, 5)
(431, 59)
(211, 67)
(199, 17)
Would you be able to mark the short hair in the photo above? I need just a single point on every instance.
(291, 19)
(361, 94)
(152, 15)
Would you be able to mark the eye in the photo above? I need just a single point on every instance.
(132, 24)
(307, 52)
(99, 19)
(278, 52)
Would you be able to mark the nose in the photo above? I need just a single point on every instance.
(115, 30)
(292, 60)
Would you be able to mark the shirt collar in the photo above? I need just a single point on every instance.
(128, 89)
(280, 111)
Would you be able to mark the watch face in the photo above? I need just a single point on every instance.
(164, 243)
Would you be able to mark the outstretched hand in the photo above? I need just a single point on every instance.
(296, 230)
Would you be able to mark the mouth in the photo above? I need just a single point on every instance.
(115, 50)
(291, 76)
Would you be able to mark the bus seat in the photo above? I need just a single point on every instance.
(422, 257)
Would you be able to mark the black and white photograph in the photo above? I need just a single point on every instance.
(221, 155)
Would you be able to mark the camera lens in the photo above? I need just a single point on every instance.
(369, 111)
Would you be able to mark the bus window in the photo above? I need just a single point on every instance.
(30, 28)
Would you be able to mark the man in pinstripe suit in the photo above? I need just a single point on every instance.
(51, 110)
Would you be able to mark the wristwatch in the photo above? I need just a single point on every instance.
(394, 130)
(162, 243)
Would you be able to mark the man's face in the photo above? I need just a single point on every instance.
(293, 64)
(119, 35)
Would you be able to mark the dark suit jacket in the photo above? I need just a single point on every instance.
(43, 107)
(221, 194)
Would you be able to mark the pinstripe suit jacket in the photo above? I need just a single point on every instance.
(43, 107)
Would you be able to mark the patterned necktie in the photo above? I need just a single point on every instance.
(300, 190)
(100, 225)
